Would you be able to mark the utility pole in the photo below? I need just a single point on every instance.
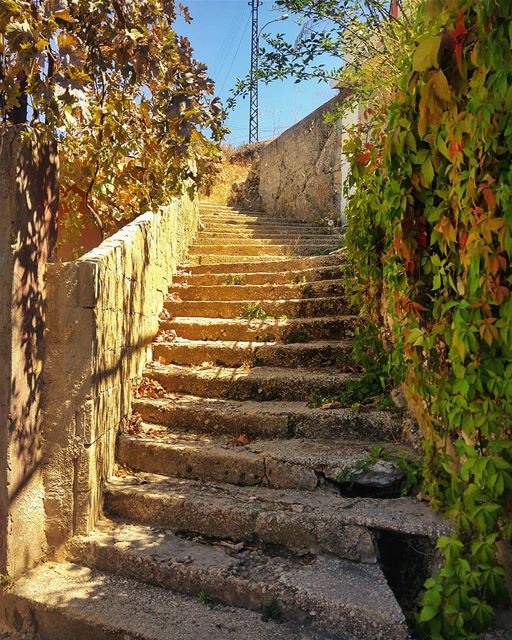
(253, 96)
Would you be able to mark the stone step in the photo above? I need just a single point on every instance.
(66, 601)
(252, 258)
(318, 289)
(236, 353)
(271, 227)
(258, 383)
(262, 227)
(243, 249)
(332, 596)
(310, 521)
(281, 246)
(280, 464)
(205, 205)
(252, 218)
(217, 259)
(291, 330)
(271, 419)
(275, 266)
(259, 310)
(259, 237)
(297, 277)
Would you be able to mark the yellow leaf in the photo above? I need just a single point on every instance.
(63, 14)
(425, 56)
(441, 86)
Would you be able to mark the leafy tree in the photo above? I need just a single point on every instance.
(358, 43)
(121, 91)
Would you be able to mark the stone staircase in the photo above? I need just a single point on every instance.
(226, 520)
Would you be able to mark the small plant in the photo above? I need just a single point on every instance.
(266, 337)
(307, 291)
(254, 311)
(272, 611)
(203, 598)
(5, 582)
(411, 470)
(234, 278)
(381, 372)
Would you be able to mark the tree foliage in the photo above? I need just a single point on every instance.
(430, 229)
(122, 92)
(355, 43)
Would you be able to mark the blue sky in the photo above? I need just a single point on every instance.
(220, 34)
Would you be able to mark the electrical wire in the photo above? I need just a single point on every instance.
(236, 53)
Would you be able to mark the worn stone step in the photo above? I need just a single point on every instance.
(312, 521)
(66, 601)
(236, 353)
(205, 205)
(189, 507)
(281, 464)
(243, 249)
(266, 419)
(261, 309)
(250, 258)
(216, 259)
(332, 596)
(253, 292)
(248, 218)
(297, 277)
(243, 246)
(275, 266)
(242, 225)
(290, 330)
(260, 237)
(258, 383)
(236, 240)
(276, 228)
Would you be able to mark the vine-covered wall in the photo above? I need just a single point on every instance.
(430, 229)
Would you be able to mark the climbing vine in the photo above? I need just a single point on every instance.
(430, 228)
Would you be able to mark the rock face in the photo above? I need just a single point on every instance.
(226, 511)
(246, 195)
(300, 171)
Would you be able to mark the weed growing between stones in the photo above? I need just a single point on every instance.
(272, 611)
(254, 311)
(381, 372)
(203, 598)
(235, 278)
(5, 582)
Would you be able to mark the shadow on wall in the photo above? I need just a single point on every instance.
(29, 205)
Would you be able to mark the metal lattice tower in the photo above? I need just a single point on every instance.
(253, 98)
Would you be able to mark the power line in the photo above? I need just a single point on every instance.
(221, 57)
(235, 54)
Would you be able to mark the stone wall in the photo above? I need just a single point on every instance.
(28, 216)
(300, 171)
(102, 317)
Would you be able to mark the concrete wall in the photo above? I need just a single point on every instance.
(102, 317)
(28, 215)
(300, 171)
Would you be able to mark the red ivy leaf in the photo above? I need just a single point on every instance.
(458, 37)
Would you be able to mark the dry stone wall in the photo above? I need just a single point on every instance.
(102, 317)
(301, 170)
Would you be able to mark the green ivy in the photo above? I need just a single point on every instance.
(430, 229)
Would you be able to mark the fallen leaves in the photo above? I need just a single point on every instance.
(148, 388)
